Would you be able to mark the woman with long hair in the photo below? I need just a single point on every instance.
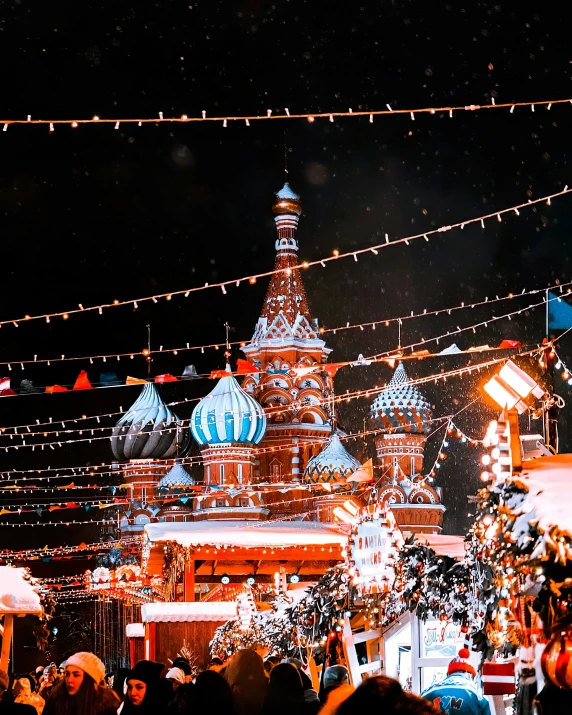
(80, 692)
(145, 690)
(248, 682)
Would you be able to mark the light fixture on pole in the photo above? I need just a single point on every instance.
(509, 389)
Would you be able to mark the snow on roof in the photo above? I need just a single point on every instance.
(444, 544)
(237, 533)
(549, 484)
(182, 612)
(17, 595)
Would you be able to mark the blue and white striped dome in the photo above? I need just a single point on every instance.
(228, 415)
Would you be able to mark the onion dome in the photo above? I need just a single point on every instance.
(148, 430)
(401, 408)
(228, 415)
(333, 464)
(287, 202)
(177, 476)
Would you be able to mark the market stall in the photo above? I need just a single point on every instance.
(17, 598)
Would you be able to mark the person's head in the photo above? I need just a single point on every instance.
(461, 664)
(4, 682)
(50, 673)
(82, 669)
(297, 663)
(335, 676)
(383, 694)
(22, 687)
(212, 692)
(285, 684)
(142, 680)
(184, 665)
(245, 666)
(270, 662)
(176, 677)
(118, 684)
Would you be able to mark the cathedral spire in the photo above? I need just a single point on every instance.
(285, 313)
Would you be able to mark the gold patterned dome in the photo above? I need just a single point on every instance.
(287, 202)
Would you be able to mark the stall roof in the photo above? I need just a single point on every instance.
(182, 612)
(17, 596)
(237, 533)
(444, 544)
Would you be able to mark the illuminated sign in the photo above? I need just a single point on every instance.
(373, 554)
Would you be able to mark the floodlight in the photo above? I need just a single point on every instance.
(520, 381)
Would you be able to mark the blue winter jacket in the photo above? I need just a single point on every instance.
(458, 695)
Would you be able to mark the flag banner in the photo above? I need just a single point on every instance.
(559, 313)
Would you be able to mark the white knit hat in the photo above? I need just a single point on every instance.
(89, 663)
(175, 674)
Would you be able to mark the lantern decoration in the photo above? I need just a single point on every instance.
(556, 659)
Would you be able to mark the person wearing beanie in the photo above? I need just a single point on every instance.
(458, 693)
(144, 689)
(176, 677)
(80, 692)
(185, 666)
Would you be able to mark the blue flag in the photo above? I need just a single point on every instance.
(559, 313)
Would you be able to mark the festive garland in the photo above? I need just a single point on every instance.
(291, 629)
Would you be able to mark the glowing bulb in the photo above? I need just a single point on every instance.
(486, 459)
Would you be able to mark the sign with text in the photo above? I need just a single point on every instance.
(373, 553)
(440, 639)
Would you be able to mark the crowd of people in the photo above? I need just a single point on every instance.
(245, 685)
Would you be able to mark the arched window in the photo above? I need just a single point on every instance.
(221, 470)
(142, 519)
(240, 473)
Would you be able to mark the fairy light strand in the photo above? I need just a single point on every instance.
(310, 117)
(304, 265)
(241, 343)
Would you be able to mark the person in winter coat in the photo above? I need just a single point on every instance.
(286, 693)
(383, 695)
(23, 694)
(213, 694)
(552, 700)
(143, 695)
(7, 705)
(248, 682)
(458, 693)
(310, 695)
(80, 692)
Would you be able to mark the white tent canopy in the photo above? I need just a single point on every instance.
(238, 534)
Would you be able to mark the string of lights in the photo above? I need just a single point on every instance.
(474, 328)
(286, 114)
(124, 542)
(74, 522)
(344, 397)
(241, 343)
(251, 279)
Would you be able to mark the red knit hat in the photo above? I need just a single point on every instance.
(461, 663)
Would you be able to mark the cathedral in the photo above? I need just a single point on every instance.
(269, 445)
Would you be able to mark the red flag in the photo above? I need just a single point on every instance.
(82, 382)
(219, 373)
(243, 367)
(5, 387)
(56, 388)
(331, 369)
(510, 344)
(165, 378)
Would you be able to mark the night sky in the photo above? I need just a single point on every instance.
(90, 215)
